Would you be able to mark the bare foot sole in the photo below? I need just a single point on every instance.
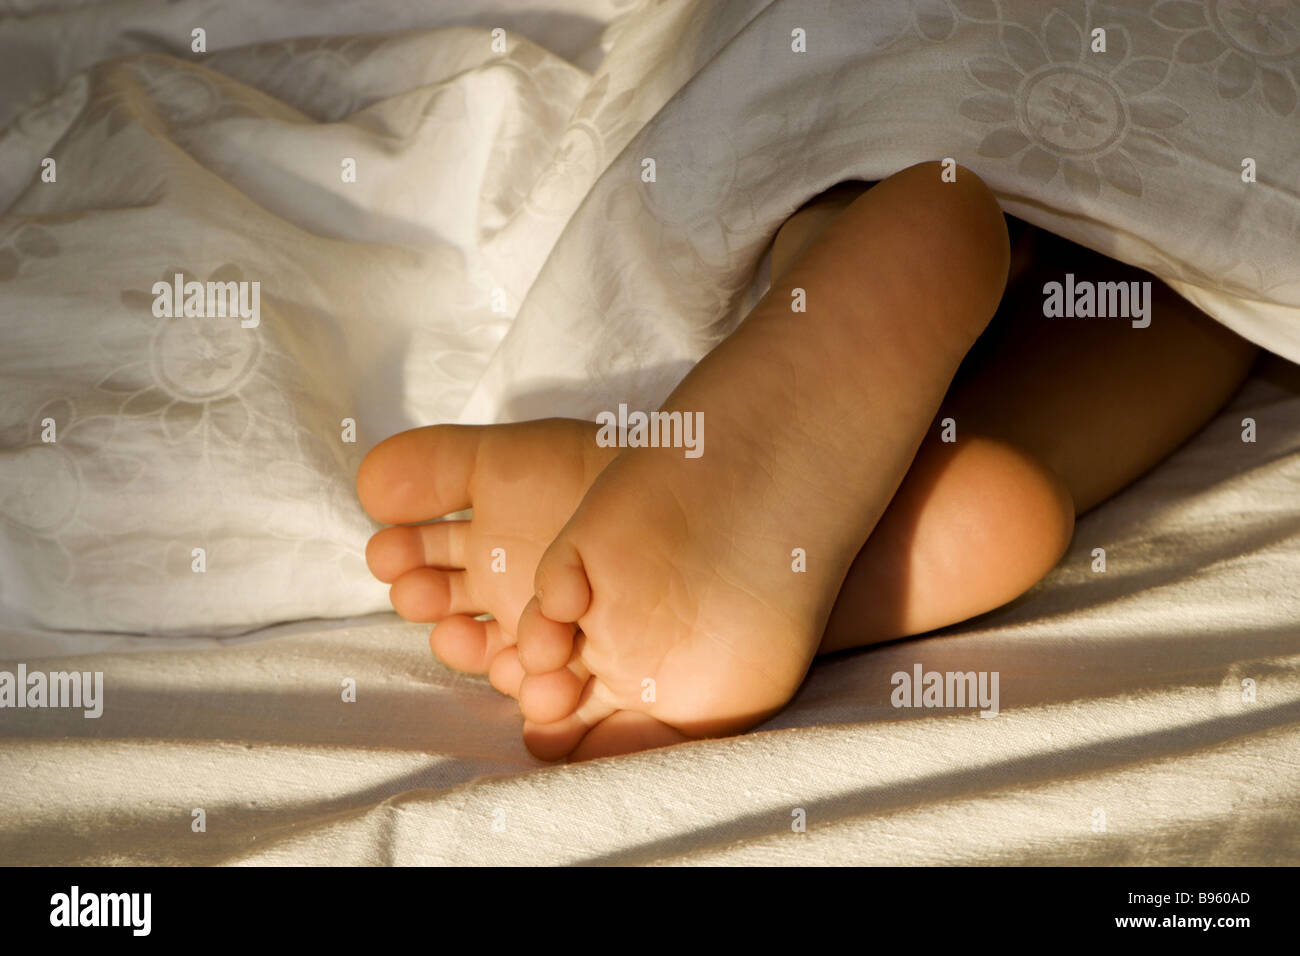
(686, 597)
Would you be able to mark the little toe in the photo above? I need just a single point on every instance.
(467, 644)
(427, 594)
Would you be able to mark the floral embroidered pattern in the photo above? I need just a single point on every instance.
(480, 170)
(1244, 41)
(194, 368)
(28, 241)
(1056, 114)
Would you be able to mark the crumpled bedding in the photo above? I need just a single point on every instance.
(501, 254)
(1148, 715)
(500, 257)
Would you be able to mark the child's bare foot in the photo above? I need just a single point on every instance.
(672, 604)
(973, 524)
(523, 482)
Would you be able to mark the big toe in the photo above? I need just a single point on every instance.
(419, 474)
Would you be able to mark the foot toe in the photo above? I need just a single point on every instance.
(467, 644)
(392, 552)
(561, 582)
(427, 594)
(623, 732)
(556, 740)
(544, 645)
(505, 673)
(546, 698)
(419, 474)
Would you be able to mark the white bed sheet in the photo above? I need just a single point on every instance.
(1123, 736)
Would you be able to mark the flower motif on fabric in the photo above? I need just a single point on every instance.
(315, 75)
(936, 19)
(581, 154)
(1058, 111)
(28, 241)
(1244, 41)
(194, 369)
(185, 95)
(41, 493)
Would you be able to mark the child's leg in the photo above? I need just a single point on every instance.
(1052, 416)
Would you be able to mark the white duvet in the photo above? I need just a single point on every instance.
(501, 256)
